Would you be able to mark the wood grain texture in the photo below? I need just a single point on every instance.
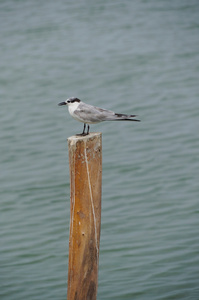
(85, 160)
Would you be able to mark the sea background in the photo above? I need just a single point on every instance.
(139, 57)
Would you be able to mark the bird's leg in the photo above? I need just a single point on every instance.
(83, 133)
(88, 127)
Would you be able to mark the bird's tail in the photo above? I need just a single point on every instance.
(123, 117)
(126, 119)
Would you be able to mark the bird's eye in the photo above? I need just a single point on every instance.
(69, 101)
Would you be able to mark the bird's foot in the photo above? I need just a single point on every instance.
(82, 134)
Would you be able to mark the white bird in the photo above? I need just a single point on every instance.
(89, 114)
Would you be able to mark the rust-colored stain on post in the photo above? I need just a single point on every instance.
(85, 159)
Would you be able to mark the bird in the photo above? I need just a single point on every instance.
(89, 114)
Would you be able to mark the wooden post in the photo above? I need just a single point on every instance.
(85, 160)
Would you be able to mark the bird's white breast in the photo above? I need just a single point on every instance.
(71, 108)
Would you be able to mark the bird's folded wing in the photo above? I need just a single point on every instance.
(95, 114)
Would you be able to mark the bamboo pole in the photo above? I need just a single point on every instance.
(85, 160)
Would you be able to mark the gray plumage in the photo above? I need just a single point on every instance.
(89, 114)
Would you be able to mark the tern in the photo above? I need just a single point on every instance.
(89, 114)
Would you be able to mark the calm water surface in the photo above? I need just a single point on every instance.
(128, 56)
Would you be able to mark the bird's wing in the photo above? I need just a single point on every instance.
(92, 113)
(97, 114)
(109, 115)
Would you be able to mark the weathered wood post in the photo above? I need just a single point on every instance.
(85, 160)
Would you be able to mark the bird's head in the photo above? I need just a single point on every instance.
(70, 101)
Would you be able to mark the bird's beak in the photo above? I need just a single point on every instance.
(62, 103)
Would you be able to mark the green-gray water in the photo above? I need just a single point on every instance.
(139, 57)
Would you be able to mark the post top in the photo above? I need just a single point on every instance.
(91, 135)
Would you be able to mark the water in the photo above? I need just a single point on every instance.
(129, 56)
